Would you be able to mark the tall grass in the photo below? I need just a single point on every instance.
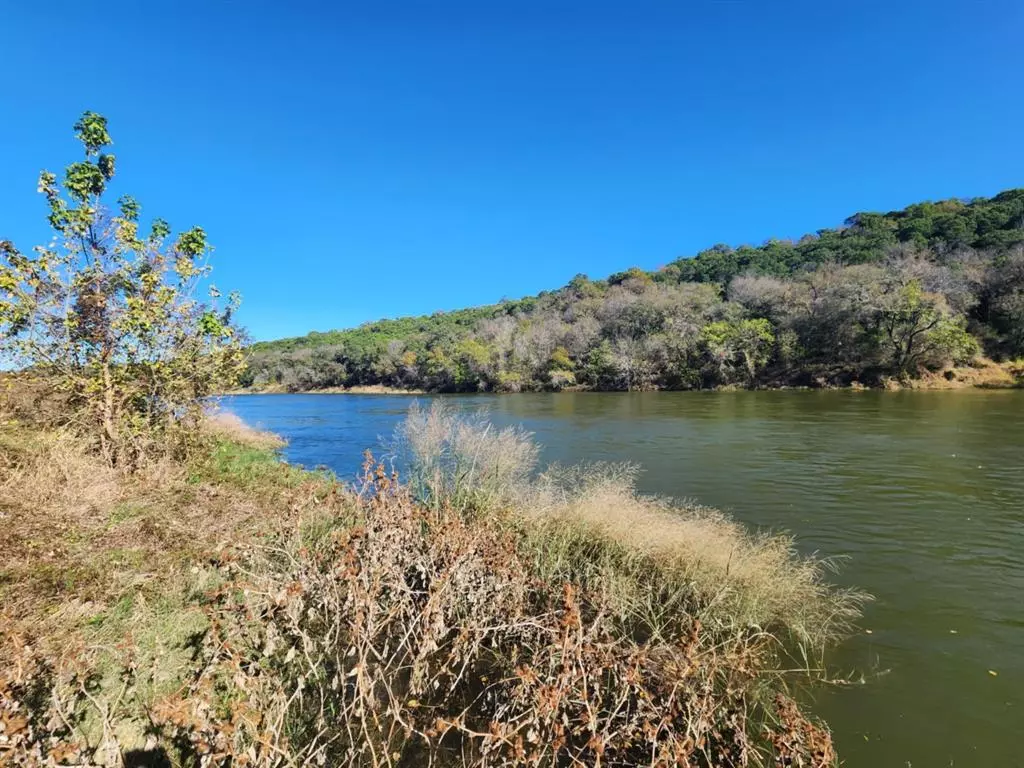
(654, 558)
(484, 614)
(461, 460)
(659, 557)
(224, 425)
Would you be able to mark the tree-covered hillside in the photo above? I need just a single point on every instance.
(885, 295)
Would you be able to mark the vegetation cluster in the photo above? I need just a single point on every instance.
(886, 296)
(233, 610)
(114, 317)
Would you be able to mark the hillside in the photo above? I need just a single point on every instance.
(886, 295)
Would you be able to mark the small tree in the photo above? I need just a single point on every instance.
(113, 317)
(918, 329)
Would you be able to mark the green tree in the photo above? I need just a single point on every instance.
(560, 360)
(600, 369)
(474, 365)
(739, 348)
(113, 317)
(918, 330)
(440, 369)
(633, 275)
(582, 287)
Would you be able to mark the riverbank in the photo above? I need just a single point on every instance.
(370, 389)
(983, 374)
(986, 374)
(223, 605)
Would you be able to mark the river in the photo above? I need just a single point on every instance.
(920, 493)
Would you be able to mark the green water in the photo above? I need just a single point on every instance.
(921, 493)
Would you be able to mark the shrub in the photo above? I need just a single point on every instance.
(108, 315)
(738, 350)
(560, 379)
(426, 637)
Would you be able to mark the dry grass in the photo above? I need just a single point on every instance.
(590, 521)
(232, 610)
(75, 531)
(462, 460)
(102, 578)
(982, 373)
(423, 637)
(226, 426)
(728, 576)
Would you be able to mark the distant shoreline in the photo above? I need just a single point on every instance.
(369, 389)
(988, 375)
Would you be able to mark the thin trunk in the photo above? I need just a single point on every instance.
(110, 433)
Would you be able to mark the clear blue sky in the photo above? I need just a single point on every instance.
(355, 161)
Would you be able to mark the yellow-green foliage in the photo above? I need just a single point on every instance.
(113, 318)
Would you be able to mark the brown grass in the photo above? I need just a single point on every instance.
(99, 577)
(731, 576)
(73, 530)
(463, 461)
(982, 373)
(226, 426)
(424, 637)
(232, 610)
(591, 520)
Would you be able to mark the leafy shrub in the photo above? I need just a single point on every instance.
(109, 317)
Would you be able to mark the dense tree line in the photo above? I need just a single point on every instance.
(886, 295)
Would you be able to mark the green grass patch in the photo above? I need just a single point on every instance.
(125, 511)
(244, 466)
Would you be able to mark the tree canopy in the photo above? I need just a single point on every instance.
(886, 294)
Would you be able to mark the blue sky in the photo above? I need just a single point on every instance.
(352, 161)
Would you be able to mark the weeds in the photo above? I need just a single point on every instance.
(658, 559)
(228, 428)
(252, 614)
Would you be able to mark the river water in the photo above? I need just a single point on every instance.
(921, 493)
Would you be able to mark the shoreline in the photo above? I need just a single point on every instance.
(152, 575)
(370, 389)
(988, 376)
